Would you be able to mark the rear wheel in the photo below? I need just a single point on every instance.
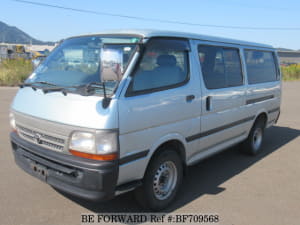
(253, 144)
(161, 182)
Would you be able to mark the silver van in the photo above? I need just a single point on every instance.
(131, 110)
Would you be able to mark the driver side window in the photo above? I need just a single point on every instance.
(164, 65)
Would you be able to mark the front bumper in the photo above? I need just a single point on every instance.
(84, 178)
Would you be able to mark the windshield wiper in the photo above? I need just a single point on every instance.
(84, 90)
(46, 89)
(64, 90)
(90, 89)
(35, 85)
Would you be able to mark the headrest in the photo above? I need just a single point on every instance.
(166, 60)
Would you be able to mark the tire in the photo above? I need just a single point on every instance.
(161, 182)
(253, 144)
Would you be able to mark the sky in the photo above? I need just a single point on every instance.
(52, 24)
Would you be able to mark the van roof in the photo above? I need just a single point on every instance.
(163, 33)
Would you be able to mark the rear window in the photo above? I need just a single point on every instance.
(260, 66)
(221, 66)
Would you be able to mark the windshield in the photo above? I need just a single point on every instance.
(84, 60)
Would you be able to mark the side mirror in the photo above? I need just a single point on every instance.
(111, 64)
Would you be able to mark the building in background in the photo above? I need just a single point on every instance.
(8, 51)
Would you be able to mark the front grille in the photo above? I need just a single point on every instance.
(40, 138)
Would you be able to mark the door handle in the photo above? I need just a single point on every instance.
(190, 98)
(208, 103)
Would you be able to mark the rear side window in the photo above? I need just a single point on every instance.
(260, 66)
(221, 66)
(164, 65)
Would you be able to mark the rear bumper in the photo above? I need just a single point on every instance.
(84, 178)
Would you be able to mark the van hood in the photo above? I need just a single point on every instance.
(72, 109)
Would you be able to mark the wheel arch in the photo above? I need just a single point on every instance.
(261, 115)
(176, 142)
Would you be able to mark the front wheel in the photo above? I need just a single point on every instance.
(161, 182)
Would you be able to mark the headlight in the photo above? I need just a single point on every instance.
(101, 145)
(83, 142)
(12, 121)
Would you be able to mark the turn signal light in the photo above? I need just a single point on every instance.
(107, 157)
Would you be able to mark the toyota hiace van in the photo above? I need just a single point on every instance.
(113, 112)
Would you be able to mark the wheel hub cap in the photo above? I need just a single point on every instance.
(165, 180)
(257, 139)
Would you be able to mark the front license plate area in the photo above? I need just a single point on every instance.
(40, 171)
